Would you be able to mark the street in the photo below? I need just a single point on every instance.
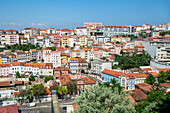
(44, 107)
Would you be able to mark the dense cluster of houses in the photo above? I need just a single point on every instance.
(88, 49)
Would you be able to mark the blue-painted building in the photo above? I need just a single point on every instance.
(126, 80)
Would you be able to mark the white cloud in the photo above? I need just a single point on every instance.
(12, 23)
(40, 24)
(32, 24)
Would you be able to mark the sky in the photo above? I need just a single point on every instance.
(17, 14)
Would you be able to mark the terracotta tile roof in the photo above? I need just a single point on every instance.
(63, 54)
(18, 82)
(64, 80)
(167, 85)
(140, 75)
(61, 69)
(111, 72)
(9, 109)
(73, 58)
(132, 99)
(144, 86)
(95, 49)
(33, 50)
(155, 74)
(46, 49)
(16, 93)
(82, 60)
(147, 69)
(89, 80)
(140, 46)
(117, 45)
(138, 94)
(5, 83)
(164, 69)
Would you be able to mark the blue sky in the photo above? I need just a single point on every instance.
(71, 13)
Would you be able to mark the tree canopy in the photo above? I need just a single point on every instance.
(72, 87)
(38, 91)
(101, 99)
(150, 79)
(134, 61)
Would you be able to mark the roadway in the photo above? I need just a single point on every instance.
(44, 107)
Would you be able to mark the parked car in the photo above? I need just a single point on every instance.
(31, 104)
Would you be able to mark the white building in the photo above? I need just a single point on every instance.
(98, 66)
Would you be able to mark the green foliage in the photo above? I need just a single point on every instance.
(162, 77)
(31, 78)
(134, 61)
(18, 75)
(47, 78)
(38, 91)
(42, 60)
(101, 99)
(82, 71)
(163, 33)
(89, 64)
(66, 46)
(150, 79)
(60, 90)
(72, 87)
(23, 47)
(52, 48)
(156, 102)
(41, 76)
(168, 75)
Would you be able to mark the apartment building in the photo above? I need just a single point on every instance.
(78, 64)
(65, 41)
(21, 56)
(126, 80)
(35, 69)
(98, 66)
(110, 30)
(53, 57)
(163, 54)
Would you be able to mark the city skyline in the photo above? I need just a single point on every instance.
(69, 14)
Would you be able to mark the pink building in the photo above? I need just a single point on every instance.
(4, 69)
(12, 39)
(96, 53)
(117, 49)
(53, 57)
(93, 24)
(57, 41)
(81, 81)
(59, 71)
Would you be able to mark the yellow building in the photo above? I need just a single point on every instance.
(64, 58)
(65, 41)
(0, 60)
(42, 32)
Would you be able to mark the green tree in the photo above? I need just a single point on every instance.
(31, 78)
(66, 46)
(41, 76)
(42, 60)
(60, 90)
(168, 75)
(162, 77)
(82, 71)
(47, 78)
(72, 87)
(100, 99)
(153, 103)
(38, 91)
(18, 75)
(150, 79)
